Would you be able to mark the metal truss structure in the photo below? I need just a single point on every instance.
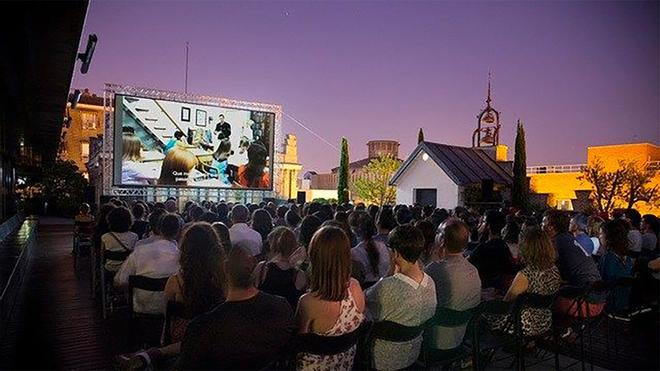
(156, 194)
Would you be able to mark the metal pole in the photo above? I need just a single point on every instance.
(186, 83)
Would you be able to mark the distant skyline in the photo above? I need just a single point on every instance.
(577, 74)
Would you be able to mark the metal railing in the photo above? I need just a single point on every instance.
(576, 168)
(653, 165)
(547, 169)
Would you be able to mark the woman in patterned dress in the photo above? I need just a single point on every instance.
(540, 276)
(335, 302)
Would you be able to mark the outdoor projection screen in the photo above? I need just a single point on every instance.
(164, 143)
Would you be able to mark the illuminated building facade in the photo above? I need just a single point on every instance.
(86, 122)
(560, 186)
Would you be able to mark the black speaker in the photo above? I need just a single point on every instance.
(302, 197)
(487, 186)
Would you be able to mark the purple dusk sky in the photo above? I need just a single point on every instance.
(576, 73)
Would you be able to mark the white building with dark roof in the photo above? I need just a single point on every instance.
(447, 176)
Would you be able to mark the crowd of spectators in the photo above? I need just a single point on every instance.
(250, 278)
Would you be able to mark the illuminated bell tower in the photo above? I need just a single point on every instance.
(487, 133)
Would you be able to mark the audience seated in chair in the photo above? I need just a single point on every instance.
(335, 302)
(251, 329)
(493, 258)
(157, 259)
(119, 240)
(540, 276)
(406, 297)
(278, 276)
(457, 282)
(198, 286)
(576, 267)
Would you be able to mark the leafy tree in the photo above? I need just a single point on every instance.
(637, 185)
(373, 187)
(606, 185)
(342, 183)
(420, 136)
(520, 191)
(63, 186)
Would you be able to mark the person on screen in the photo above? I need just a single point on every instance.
(219, 164)
(253, 174)
(222, 128)
(177, 167)
(133, 170)
(177, 140)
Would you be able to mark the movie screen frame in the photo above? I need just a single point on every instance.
(243, 133)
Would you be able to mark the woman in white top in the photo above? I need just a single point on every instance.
(133, 170)
(372, 254)
(119, 240)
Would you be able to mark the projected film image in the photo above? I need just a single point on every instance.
(175, 144)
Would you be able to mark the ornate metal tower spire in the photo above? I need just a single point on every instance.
(488, 100)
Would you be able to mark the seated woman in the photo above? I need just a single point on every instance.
(119, 240)
(334, 304)
(540, 276)
(254, 174)
(278, 276)
(373, 255)
(177, 167)
(615, 262)
(198, 287)
(133, 170)
(223, 234)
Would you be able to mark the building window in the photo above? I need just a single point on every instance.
(88, 120)
(84, 151)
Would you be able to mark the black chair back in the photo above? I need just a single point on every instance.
(144, 283)
(395, 332)
(327, 345)
(173, 310)
(115, 255)
(447, 317)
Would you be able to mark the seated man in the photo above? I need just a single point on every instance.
(457, 283)
(241, 234)
(406, 297)
(493, 258)
(578, 227)
(157, 259)
(576, 267)
(249, 330)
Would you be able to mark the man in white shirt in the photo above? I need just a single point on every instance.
(240, 234)
(154, 227)
(158, 259)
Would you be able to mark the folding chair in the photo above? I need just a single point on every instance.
(392, 332)
(108, 293)
(142, 321)
(82, 243)
(446, 317)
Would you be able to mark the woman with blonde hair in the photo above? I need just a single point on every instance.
(133, 170)
(177, 167)
(334, 304)
(540, 276)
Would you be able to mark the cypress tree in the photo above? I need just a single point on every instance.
(520, 191)
(420, 136)
(342, 183)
